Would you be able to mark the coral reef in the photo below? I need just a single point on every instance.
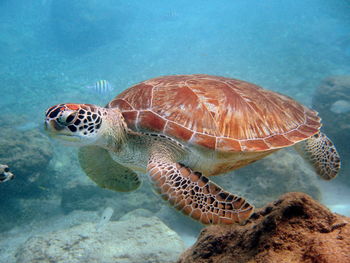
(137, 239)
(28, 153)
(295, 228)
(332, 101)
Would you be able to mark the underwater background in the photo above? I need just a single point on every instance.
(52, 51)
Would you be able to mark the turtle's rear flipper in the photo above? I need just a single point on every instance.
(105, 172)
(196, 196)
(320, 152)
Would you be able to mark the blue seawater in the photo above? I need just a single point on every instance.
(51, 49)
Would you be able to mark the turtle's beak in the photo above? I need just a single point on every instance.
(52, 126)
(58, 131)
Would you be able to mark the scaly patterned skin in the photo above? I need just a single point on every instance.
(195, 195)
(321, 154)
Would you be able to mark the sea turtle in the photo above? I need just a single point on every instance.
(5, 174)
(181, 129)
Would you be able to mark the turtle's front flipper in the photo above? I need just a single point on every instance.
(105, 172)
(320, 152)
(196, 196)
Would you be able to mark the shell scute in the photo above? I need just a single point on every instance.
(308, 130)
(130, 118)
(204, 140)
(277, 141)
(178, 131)
(180, 104)
(150, 121)
(140, 98)
(228, 145)
(295, 136)
(121, 104)
(255, 145)
(311, 122)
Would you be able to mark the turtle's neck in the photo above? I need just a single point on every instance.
(113, 130)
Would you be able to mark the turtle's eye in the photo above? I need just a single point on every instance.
(70, 118)
(6, 170)
(66, 119)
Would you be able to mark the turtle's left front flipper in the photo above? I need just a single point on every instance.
(320, 152)
(195, 195)
(105, 172)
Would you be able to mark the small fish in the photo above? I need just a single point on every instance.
(5, 174)
(101, 87)
(105, 217)
(341, 106)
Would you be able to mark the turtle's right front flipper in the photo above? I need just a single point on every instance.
(195, 195)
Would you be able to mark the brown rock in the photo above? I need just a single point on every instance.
(294, 228)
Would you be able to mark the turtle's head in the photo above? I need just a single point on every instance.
(79, 124)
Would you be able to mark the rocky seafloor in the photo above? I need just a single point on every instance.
(134, 239)
(294, 228)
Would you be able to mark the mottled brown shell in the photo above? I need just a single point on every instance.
(219, 113)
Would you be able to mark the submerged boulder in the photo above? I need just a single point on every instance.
(295, 228)
(136, 240)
